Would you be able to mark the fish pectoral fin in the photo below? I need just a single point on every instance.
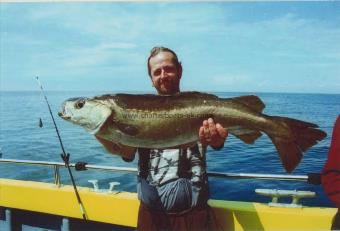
(248, 136)
(126, 128)
(187, 145)
(251, 101)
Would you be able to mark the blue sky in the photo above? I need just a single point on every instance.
(223, 46)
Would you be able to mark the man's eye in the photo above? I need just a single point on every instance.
(157, 72)
(79, 104)
(169, 69)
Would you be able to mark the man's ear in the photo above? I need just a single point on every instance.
(180, 70)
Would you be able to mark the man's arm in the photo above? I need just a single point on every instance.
(197, 163)
(212, 134)
(126, 152)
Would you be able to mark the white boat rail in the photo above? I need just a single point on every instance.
(312, 178)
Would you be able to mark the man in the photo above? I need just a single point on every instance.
(172, 184)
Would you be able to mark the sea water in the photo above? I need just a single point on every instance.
(21, 137)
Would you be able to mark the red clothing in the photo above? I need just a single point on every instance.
(194, 220)
(331, 172)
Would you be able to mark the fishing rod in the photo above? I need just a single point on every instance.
(65, 157)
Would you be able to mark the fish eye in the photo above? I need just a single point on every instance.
(79, 104)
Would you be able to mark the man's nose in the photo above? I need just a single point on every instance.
(164, 74)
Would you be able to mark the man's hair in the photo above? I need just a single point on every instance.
(156, 50)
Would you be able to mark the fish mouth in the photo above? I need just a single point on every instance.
(63, 113)
(63, 116)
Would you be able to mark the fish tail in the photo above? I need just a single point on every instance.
(303, 136)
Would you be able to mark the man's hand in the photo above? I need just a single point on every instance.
(212, 134)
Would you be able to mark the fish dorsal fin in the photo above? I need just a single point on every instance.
(196, 94)
(155, 102)
(251, 101)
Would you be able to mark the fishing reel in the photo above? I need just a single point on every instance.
(80, 166)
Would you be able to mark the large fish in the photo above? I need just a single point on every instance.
(153, 121)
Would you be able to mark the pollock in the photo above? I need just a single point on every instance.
(154, 121)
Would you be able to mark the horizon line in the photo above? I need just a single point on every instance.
(154, 92)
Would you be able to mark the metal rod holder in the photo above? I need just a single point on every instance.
(57, 175)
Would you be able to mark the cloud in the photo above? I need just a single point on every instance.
(37, 14)
(97, 55)
(236, 50)
(118, 45)
(128, 21)
(230, 80)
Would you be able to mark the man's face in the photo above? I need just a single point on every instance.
(165, 74)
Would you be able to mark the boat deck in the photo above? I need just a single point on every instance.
(28, 204)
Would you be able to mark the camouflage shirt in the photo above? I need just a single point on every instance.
(173, 179)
